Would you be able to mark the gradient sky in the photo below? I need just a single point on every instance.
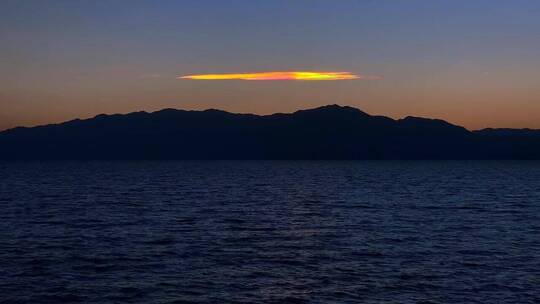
(472, 62)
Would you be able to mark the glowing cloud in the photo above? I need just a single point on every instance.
(293, 75)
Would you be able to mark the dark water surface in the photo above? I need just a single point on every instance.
(270, 232)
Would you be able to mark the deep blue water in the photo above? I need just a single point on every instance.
(270, 232)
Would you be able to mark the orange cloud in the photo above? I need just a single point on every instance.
(293, 75)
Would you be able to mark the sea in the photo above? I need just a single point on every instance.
(270, 232)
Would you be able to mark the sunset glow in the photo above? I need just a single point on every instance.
(291, 75)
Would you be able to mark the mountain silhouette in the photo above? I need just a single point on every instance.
(328, 132)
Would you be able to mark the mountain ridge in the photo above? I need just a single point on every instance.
(327, 132)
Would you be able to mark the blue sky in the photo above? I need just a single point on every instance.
(475, 63)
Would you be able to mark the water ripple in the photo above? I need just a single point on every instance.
(270, 232)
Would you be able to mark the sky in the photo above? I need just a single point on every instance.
(474, 63)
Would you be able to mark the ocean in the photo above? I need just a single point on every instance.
(270, 232)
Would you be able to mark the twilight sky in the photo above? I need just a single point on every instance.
(472, 62)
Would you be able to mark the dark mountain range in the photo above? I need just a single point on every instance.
(329, 132)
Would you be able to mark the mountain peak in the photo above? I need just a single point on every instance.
(333, 109)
